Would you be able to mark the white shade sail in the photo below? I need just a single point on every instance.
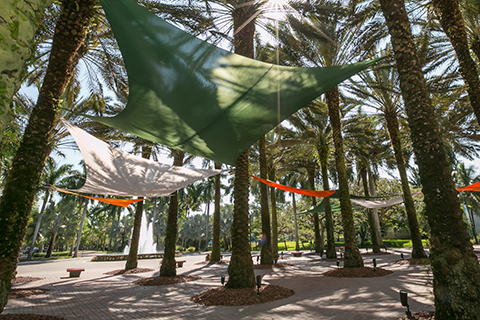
(111, 171)
(373, 204)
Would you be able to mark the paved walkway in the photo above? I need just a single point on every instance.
(98, 296)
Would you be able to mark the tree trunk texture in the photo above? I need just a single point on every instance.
(273, 205)
(475, 46)
(266, 256)
(392, 127)
(353, 259)
(371, 219)
(21, 184)
(168, 268)
(453, 25)
(38, 224)
(456, 272)
(316, 224)
(371, 186)
(19, 22)
(132, 259)
(216, 219)
(323, 152)
(240, 269)
(80, 229)
(51, 244)
(207, 222)
(294, 207)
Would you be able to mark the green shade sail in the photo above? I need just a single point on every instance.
(321, 208)
(190, 95)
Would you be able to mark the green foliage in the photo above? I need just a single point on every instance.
(191, 249)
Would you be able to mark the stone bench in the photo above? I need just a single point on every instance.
(180, 263)
(297, 253)
(75, 272)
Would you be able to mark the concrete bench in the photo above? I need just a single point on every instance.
(297, 253)
(75, 272)
(180, 263)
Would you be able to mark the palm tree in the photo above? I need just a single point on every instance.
(216, 254)
(132, 260)
(378, 90)
(167, 269)
(19, 191)
(266, 255)
(453, 24)
(456, 273)
(53, 175)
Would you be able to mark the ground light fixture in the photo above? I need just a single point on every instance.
(338, 263)
(275, 260)
(404, 301)
(401, 256)
(374, 264)
(222, 280)
(259, 283)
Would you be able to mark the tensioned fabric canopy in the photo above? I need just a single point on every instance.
(111, 171)
(374, 204)
(321, 208)
(190, 95)
(311, 193)
(473, 187)
(116, 202)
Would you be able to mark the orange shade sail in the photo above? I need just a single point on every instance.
(116, 202)
(311, 193)
(472, 187)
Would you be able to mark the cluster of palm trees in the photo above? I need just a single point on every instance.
(420, 104)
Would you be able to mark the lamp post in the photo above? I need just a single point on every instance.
(404, 301)
(259, 283)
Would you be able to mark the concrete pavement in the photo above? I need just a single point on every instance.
(98, 296)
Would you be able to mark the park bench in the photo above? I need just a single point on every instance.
(297, 253)
(75, 272)
(180, 263)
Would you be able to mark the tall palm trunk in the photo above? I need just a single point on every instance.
(456, 272)
(132, 259)
(266, 256)
(273, 205)
(167, 269)
(323, 151)
(294, 207)
(371, 219)
(240, 269)
(371, 187)
(316, 224)
(453, 24)
(51, 244)
(21, 184)
(80, 229)
(216, 219)
(353, 259)
(392, 127)
(20, 21)
(38, 224)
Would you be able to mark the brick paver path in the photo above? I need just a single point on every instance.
(98, 296)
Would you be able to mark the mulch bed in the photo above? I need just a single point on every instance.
(327, 260)
(163, 281)
(271, 266)
(24, 316)
(422, 315)
(131, 271)
(412, 261)
(214, 262)
(371, 253)
(19, 280)
(23, 293)
(365, 272)
(242, 297)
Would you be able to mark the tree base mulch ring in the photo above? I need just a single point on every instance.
(214, 262)
(412, 261)
(24, 316)
(19, 280)
(271, 266)
(371, 253)
(131, 271)
(422, 315)
(242, 297)
(164, 281)
(365, 272)
(23, 293)
(327, 260)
